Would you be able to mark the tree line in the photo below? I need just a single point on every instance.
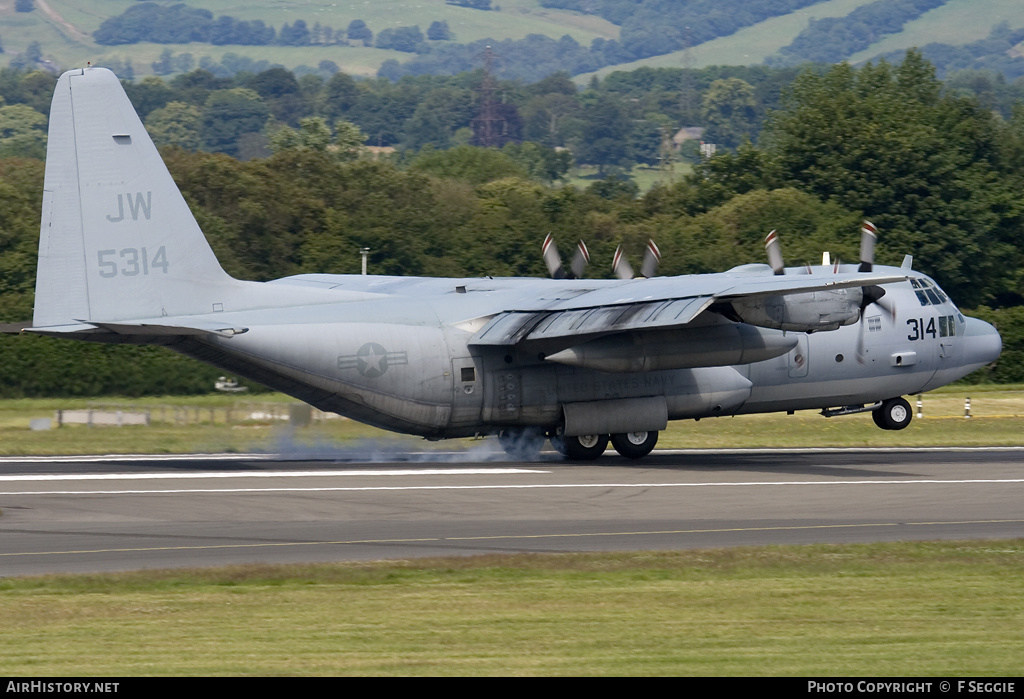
(613, 124)
(937, 171)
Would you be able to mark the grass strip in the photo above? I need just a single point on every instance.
(997, 419)
(887, 609)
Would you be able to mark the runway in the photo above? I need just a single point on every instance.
(120, 513)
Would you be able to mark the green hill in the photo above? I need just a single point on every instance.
(63, 30)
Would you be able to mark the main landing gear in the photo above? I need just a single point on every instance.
(525, 443)
(893, 414)
(588, 447)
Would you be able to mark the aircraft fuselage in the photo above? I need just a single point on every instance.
(403, 361)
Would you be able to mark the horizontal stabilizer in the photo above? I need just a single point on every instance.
(171, 327)
(164, 327)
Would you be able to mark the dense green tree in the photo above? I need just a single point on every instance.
(339, 94)
(439, 114)
(545, 116)
(148, 94)
(281, 93)
(470, 163)
(297, 34)
(176, 124)
(314, 134)
(229, 114)
(408, 39)
(21, 188)
(541, 162)
(439, 31)
(883, 140)
(604, 140)
(358, 31)
(22, 132)
(728, 111)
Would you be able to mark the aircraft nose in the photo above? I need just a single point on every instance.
(983, 343)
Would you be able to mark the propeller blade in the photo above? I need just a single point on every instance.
(861, 359)
(771, 247)
(621, 266)
(552, 259)
(652, 258)
(868, 237)
(580, 260)
(889, 306)
(872, 295)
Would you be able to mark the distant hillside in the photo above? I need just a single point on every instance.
(531, 38)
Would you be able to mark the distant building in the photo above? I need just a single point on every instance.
(689, 133)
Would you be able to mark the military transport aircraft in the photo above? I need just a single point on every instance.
(582, 362)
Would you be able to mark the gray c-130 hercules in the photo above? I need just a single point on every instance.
(582, 362)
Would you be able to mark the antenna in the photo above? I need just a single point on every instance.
(488, 126)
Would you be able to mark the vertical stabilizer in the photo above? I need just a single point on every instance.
(117, 240)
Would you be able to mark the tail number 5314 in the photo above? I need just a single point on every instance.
(131, 262)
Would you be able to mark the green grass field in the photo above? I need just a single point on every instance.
(956, 22)
(201, 424)
(749, 46)
(897, 609)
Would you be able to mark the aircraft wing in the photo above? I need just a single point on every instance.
(649, 304)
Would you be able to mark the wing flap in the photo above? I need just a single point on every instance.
(513, 327)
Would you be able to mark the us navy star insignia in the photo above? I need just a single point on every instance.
(372, 360)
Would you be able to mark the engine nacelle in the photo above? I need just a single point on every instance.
(707, 346)
(808, 312)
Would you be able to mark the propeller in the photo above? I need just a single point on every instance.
(553, 260)
(872, 294)
(774, 252)
(621, 266)
(652, 258)
(580, 260)
(868, 237)
(648, 268)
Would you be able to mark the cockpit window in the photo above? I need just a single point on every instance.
(927, 293)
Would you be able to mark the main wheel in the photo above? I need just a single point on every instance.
(585, 447)
(522, 443)
(634, 445)
(895, 414)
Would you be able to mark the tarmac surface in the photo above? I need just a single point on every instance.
(86, 514)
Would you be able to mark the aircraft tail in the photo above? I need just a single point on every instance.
(117, 240)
